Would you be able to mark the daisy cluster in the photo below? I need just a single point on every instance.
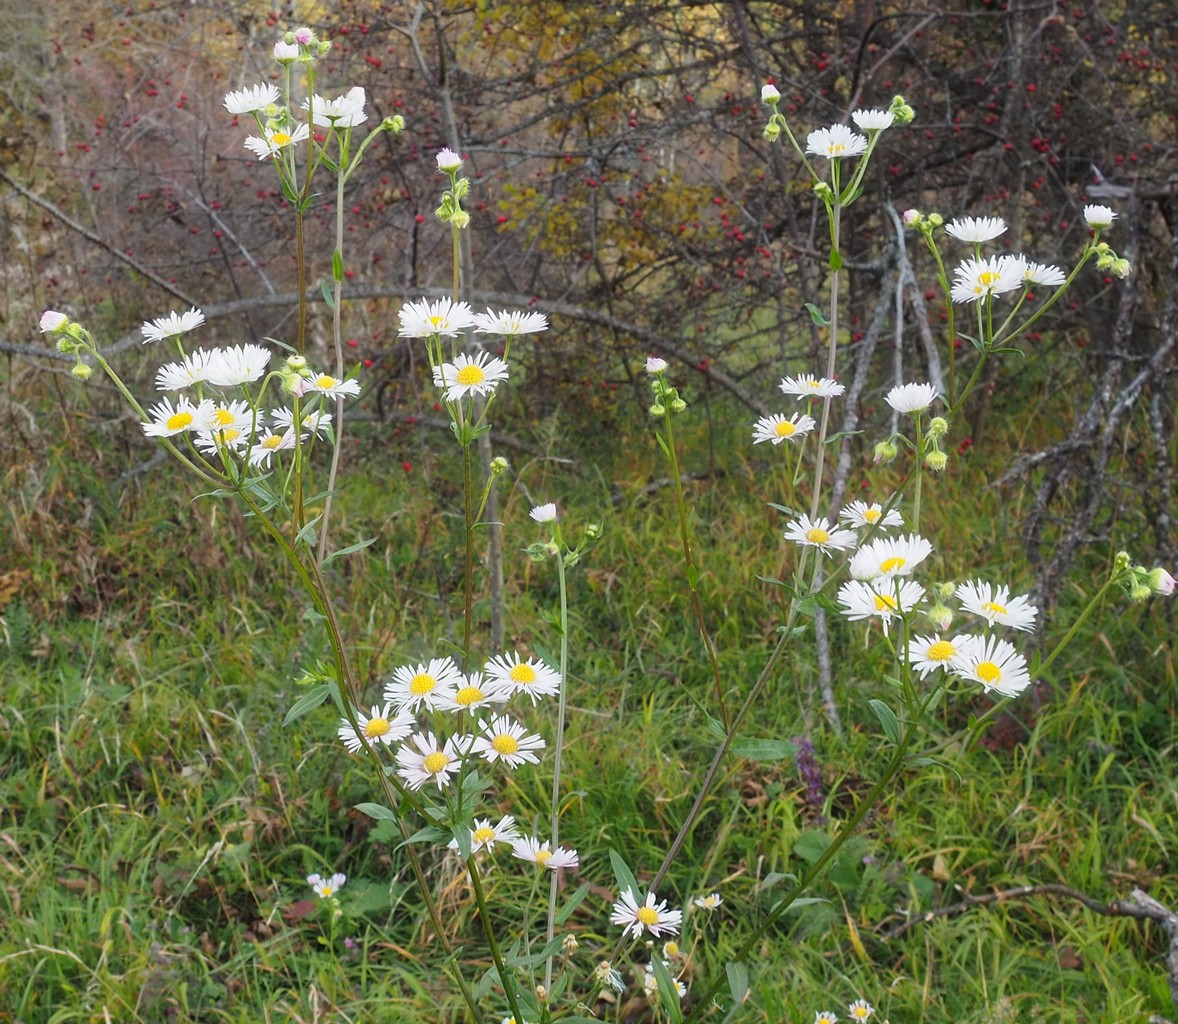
(859, 1011)
(778, 428)
(478, 701)
(210, 400)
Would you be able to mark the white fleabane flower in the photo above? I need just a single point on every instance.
(423, 319)
(424, 685)
(51, 321)
(504, 739)
(975, 229)
(911, 398)
(285, 52)
(423, 758)
(820, 533)
(929, 653)
(860, 1010)
(193, 370)
(473, 692)
(872, 120)
(510, 322)
(448, 160)
(806, 385)
(326, 384)
(709, 902)
(515, 674)
(229, 416)
(889, 556)
(539, 853)
(168, 420)
(825, 1017)
(996, 606)
(344, 111)
(647, 916)
(317, 421)
(778, 428)
(1043, 273)
(650, 984)
(479, 374)
(770, 93)
(859, 514)
(381, 726)
(273, 142)
(544, 513)
(254, 97)
(172, 325)
(1099, 216)
(325, 888)
(655, 365)
(241, 364)
(995, 664)
(880, 599)
(268, 443)
(484, 835)
(836, 141)
(977, 279)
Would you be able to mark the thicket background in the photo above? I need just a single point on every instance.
(622, 186)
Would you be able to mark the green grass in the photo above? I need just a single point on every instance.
(157, 821)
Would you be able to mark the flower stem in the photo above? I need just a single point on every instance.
(558, 751)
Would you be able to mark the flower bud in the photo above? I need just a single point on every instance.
(824, 192)
(1122, 560)
(394, 124)
(1161, 582)
(657, 410)
(1139, 591)
(296, 363)
(593, 530)
(569, 944)
(771, 131)
(460, 219)
(1105, 261)
(499, 465)
(885, 451)
(936, 220)
(52, 321)
(1121, 268)
(901, 112)
(940, 616)
(912, 218)
(936, 461)
(1100, 248)
(541, 994)
(770, 93)
(938, 427)
(655, 365)
(81, 371)
(678, 405)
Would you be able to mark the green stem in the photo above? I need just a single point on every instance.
(835, 214)
(489, 932)
(559, 750)
(468, 520)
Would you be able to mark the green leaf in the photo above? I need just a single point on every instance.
(623, 874)
(764, 749)
(309, 701)
(668, 993)
(887, 719)
(328, 296)
(571, 904)
(692, 576)
(801, 901)
(337, 265)
(429, 834)
(811, 845)
(350, 549)
(461, 835)
(836, 260)
(377, 811)
(817, 315)
(738, 980)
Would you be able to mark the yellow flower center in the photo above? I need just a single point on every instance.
(437, 321)
(505, 743)
(892, 564)
(817, 535)
(228, 436)
(836, 148)
(543, 857)
(222, 417)
(647, 916)
(483, 835)
(470, 375)
(280, 139)
(989, 673)
(987, 278)
(376, 727)
(178, 421)
(421, 684)
(784, 428)
(885, 603)
(271, 442)
(468, 695)
(671, 949)
(435, 762)
(813, 384)
(523, 675)
(859, 1013)
(994, 609)
(872, 515)
(325, 381)
(326, 891)
(942, 650)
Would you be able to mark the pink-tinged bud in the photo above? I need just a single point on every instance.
(655, 365)
(304, 36)
(770, 93)
(285, 52)
(51, 321)
(1161, 582)
(911, 217)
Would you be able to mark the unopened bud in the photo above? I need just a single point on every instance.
(940, 616)
(81, 371)
(901, 112)
(936, 220)
(658, 410)
(1122, 560)
(912, 218)
(770, 93)
(1105, 261)
(824, 192)
(461, 219)
(394, 124)
(771, 131)
(1139, 591)
(1121, 268)
(885, 451)
(499, 465)
(1161, 582)
(593, 530)
(936, 461)
(938, 427)
(678, 405)
(296, 364)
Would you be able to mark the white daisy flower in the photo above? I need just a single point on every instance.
(882, 599)
(424, 319)
(1043, 274)
(474, 692)
(646, 916)
(326, 384)
(273, 142)
(872, 120)
(977, 279)
(172, 325)
(825, 1017)
(268, 443)
(820, 533)
(770, 93)
(911, 398)
(806, 385)
(836, 141)
(655, 365)
(995, 664)
(231, 439)
(860, 1010)
(381, 726)
(254, 97)
(530, 848)
(231, 416)
(532, 676)
(193, 370)
(422, 758)
(344, 111)
(929, 653)
(326, 888)
(975, 229)
(425, 685)
(650, 984)
(859, 514)
(545, 513)
(484, 835)
(51, 321)
(448, 160)
(996, 606)
(317, 421)
(889, 556)
(510, 322)
(778, 428)
(241, 364)
(168, 420)
(1099, 216)
(504, 739)
(479, 374)
(709, 902)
